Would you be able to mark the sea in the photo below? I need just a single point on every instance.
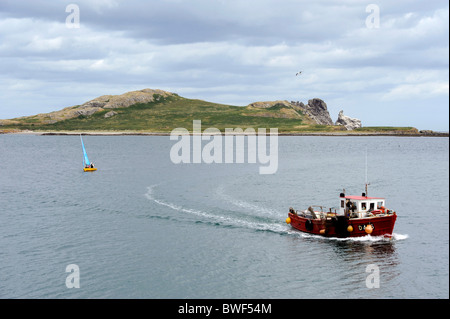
(145, 227)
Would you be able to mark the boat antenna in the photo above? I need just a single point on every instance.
(367, 183)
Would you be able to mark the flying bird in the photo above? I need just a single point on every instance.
(298, 73)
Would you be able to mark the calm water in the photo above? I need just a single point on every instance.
(143, 227)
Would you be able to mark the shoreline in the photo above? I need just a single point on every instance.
(132, 133)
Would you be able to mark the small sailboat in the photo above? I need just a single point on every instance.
(87, 165)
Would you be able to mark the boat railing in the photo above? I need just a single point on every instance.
(316, 212)
(318, 206)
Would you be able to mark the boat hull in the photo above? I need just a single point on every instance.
(338, 226)
(89, 169)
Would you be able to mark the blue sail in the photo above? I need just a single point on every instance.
(85, 157)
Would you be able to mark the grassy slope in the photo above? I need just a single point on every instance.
(174, 111)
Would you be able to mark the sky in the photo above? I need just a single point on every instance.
(383, 62)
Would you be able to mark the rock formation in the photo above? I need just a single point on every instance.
(126, 99)
(284, 109)
(316, 109)
(101, 103)
(348, 122)
(268, 104)
(109, 114)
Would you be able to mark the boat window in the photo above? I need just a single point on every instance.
(342, 203)
(363, 206)
(372, 206)
(379, 204)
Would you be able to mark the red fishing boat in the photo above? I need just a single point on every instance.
(356, 216)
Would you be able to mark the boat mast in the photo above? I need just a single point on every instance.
(366, 175)
(82, 145)
(86, 161)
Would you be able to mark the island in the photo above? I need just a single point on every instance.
(158, 112)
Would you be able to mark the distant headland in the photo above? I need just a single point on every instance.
(158, 112)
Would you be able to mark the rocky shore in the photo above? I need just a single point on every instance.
(426, 133)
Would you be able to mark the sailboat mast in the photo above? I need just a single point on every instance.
(85, 157)
(82, 146)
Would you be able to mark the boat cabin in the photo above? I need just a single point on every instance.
(359, 206)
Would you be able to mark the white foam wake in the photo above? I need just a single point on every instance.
(368, 238)
(400, 236)
(225, 220)
(244, 204)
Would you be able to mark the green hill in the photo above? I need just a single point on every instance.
(158, 111)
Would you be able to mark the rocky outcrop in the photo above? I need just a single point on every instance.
(432, 133)
(126, 99)
(315, 112)
(316, 109)
(284, 109)
(269, 104)
(115, 101)
(110, 114)
(130, 98)
(348, 122)
(86, 110)
(100, 104)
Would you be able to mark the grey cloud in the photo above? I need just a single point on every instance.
(198, 21)
(218, 50)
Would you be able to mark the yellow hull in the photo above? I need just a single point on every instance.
(89, 169)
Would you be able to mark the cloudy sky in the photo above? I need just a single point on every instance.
(384, 62)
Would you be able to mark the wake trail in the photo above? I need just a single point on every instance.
(220, 219)
(368, 238)
(220, 191)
